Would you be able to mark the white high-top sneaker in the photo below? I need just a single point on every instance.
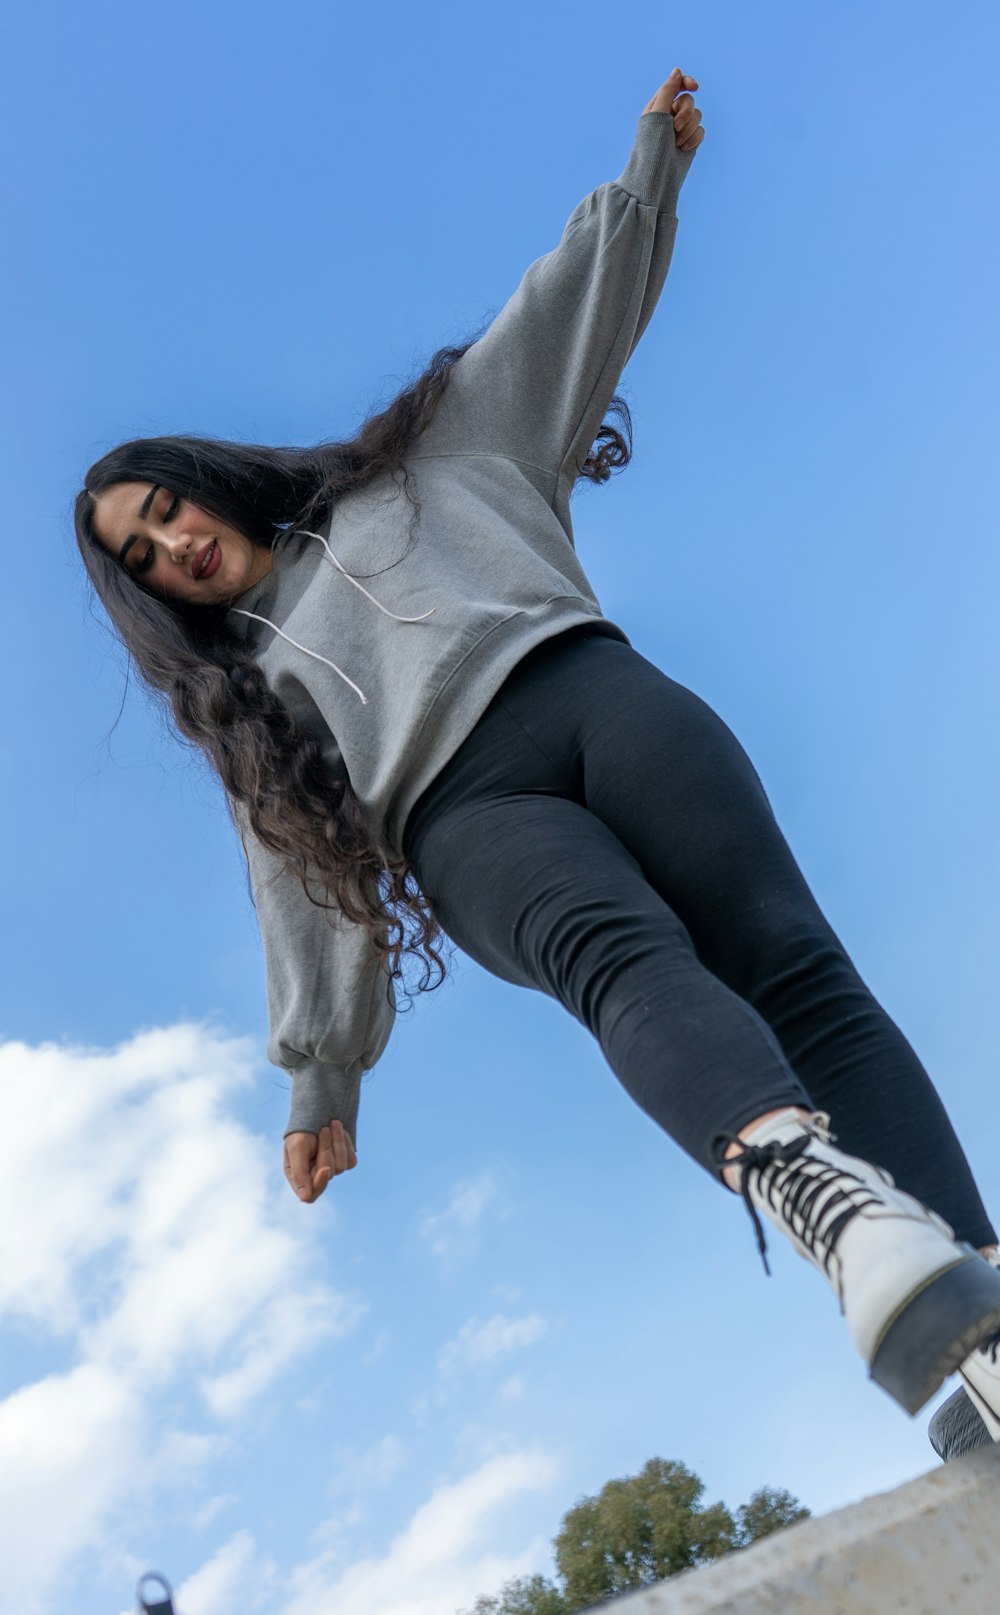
(969, 1419)
(980, 1374)
(917, 1301)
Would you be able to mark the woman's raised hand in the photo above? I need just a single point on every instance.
(311, 1159)
(673, 97)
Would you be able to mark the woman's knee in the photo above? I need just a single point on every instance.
(807, 973)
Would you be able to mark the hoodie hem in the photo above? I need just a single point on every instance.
(483, 671)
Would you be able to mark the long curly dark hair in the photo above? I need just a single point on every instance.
(209, 683)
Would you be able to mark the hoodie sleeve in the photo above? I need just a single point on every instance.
(537, 384)
(331, 1002)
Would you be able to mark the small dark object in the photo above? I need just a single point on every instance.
(163, 1606)
(957, 1428)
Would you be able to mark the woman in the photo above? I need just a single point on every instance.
(425, 724)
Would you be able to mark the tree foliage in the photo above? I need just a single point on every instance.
(768, 1510)
(638, 1530)
(526, 1595)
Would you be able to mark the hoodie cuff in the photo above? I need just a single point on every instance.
(657, 168)
(324, 1093)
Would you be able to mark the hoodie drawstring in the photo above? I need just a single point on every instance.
(344, 572)
(384, 609)
(305, 648)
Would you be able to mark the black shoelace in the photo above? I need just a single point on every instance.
(802, 1190)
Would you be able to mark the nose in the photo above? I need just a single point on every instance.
(178, 548)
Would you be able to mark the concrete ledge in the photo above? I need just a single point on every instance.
(931, 1547)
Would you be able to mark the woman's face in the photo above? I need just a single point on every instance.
(172, 547)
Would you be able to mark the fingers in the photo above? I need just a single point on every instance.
(693, 143)
(687, 118)
(674, 96)
(311, 1160)
(679, 80)
(300, 1153)
(336, 1151)
(350, 1158)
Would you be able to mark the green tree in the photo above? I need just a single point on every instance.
(639, 1530)
(768, 1510)
(528, 1595)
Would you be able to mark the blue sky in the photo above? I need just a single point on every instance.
(259, 222)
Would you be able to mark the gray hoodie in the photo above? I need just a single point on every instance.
(388, 638)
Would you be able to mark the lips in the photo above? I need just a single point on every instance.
(207, 561)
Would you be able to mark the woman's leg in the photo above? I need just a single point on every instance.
(534, 887)
(602, 836)
(662, 771)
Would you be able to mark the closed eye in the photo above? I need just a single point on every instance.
(147, 559)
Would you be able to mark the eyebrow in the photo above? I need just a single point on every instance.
(133, 538)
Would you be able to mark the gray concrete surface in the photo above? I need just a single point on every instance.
(931, 1547)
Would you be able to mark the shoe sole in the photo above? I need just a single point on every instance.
(957, 1427)
(935, 1330)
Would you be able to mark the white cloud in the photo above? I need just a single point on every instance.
(279, 1335)
(480, 1342)
(437, 1564)
(235, 1579)
(206, 1514)
(448, 1231)
(71, 1445)
(165, 1250)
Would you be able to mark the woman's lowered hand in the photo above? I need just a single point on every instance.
(311, 1159)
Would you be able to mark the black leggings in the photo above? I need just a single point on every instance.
(602, 836)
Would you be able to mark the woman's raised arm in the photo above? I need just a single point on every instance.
(537, 384)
